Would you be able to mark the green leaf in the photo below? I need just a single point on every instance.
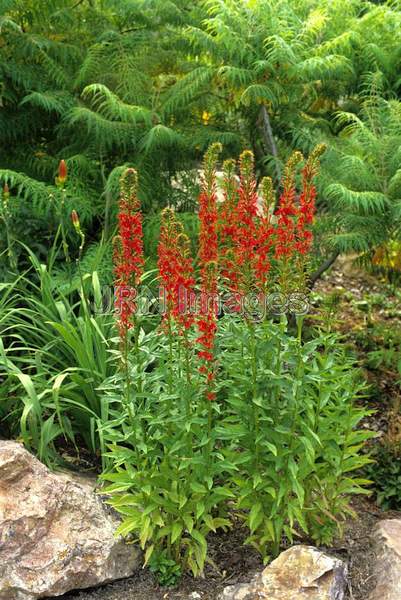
(255, 516)
(176, 531)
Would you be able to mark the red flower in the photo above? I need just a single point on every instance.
(128, 250)
(287, 211)
(307, 201)
(261, 263)
(246, 231)
(175, 270)
(227, 225)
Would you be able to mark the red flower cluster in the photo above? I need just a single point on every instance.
(307, 201)
(266, 237)
(245, 230)
(226, 225)
(208, 259)
(128, 250)
(241, 238)
(287, 211)
(175, 270)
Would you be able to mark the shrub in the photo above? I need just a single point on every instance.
(385, 472)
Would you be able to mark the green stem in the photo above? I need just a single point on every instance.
(127, 397)
(188, 392)
(255, 408)
(10, 252)
(137, 350)
(127, 371)
(63, 234)
(170, 375)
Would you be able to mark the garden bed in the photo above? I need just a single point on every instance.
(235, 563)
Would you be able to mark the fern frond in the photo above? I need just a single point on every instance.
(159, 137)
(6, 23)
(257, 94)
(235, 76)
(112, 108)
(91, 65)
(30, 190)
(277, 50)
(187, 88)
(51, 101)
(313, 26)
(394, 185)
(343, 43)
(202, 41)
(349, 242)
(366, 203)
(101, 131)
(332, 66)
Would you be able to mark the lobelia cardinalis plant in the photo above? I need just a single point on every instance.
(208, 267)
(279, 424)
(128, 269)
(238, 415)
(168, 473)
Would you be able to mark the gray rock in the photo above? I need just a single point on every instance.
(55, 533)
(299, 573)
(387, 566)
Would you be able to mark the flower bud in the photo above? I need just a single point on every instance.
(267, 193)
(62, 172)
(6, 192)
(75, 221)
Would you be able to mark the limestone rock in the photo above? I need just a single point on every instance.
(387, 567)
(299, 573)
(55, 533)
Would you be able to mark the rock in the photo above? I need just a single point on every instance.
(55, 533)
(300, 573)
(387, 566)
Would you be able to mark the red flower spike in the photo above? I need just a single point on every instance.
(307, 201)
(253, 232)
(245, 231)
(265, 236)
(175, 270)
(227, 224)
(287, 211)
(128, 247)
(208, 261)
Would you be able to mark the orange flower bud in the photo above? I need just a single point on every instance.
(75, 220)
(62, 171)
(6, 191)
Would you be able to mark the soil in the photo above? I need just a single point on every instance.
(234, 563)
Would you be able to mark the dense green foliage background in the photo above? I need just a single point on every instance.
(150, 83)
